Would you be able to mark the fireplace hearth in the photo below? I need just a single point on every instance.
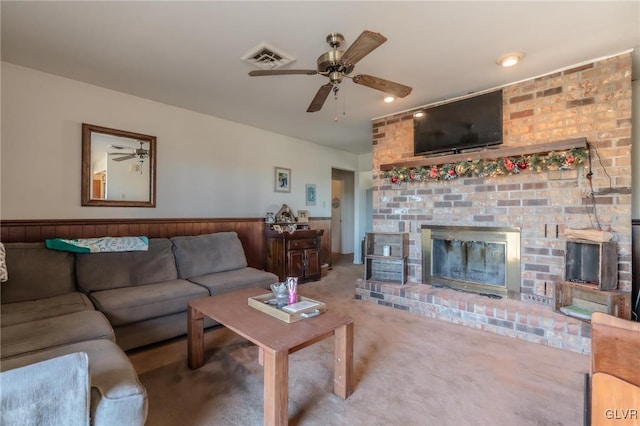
(483, 260)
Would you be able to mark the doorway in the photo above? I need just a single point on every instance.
(342, 211)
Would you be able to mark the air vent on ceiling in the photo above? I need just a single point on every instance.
(267, 57)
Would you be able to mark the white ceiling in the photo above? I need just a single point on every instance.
(188, 53)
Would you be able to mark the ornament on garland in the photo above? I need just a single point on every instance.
(501, 166)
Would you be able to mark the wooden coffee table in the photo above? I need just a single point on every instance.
(276, 340)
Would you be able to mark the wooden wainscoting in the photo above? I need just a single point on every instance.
(250, 231)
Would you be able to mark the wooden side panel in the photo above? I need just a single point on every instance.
(250, 231)
(615, 401)
(615, 345)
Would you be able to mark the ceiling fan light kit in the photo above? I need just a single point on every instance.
(337, 65)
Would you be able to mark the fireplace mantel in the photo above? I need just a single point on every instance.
(491, 153)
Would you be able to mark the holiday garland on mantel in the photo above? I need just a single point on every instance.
(499, 166)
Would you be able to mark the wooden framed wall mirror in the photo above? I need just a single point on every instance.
(118, 168)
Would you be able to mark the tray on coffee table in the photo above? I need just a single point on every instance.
(315, 308)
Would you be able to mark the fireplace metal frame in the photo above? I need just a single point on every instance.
(508, 235)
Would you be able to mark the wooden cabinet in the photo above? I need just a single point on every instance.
(294, 254)
(386, 256)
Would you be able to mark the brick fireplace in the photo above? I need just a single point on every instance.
(591, 101)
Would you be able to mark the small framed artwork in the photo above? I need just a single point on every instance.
(282, 179)
(310, 194)
(303, 216)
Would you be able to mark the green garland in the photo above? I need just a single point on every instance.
(500, 166)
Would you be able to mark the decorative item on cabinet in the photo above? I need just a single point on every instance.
(285, 215)
(269, 218)
(303, 216)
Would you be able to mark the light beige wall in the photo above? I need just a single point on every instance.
(207, 167)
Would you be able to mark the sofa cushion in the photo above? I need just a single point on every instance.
(154, 330)
(36, 272)
(208, 254)
(223, 282)
(105, 271)
(50, 392)
(47, 333)
(133, 304)
(117, 397)
(32, 310)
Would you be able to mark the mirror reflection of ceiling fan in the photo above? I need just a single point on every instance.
(337, 64)
(139, 153)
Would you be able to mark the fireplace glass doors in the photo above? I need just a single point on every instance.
(476, 259)
(479, 262)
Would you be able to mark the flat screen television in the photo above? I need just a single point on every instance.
(459, 125)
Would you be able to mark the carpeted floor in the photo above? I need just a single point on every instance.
(409, 370)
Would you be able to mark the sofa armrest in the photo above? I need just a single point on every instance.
(52, 392)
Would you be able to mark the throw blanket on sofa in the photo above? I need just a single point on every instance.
(99, 245)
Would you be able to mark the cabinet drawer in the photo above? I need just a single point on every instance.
(302, 244)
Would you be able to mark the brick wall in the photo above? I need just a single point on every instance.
(591, 101)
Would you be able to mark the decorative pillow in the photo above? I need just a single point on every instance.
(4, 274)
(99, 245)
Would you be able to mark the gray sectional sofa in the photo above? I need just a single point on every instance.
(57, 303)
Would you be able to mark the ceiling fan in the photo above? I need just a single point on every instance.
(139, 153)
(337, 64)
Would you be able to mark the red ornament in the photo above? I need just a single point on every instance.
(394, 179)
(522, 165)
(433, 173)
(451, 172)
(508, 164)
(412, 176)
(569, 160)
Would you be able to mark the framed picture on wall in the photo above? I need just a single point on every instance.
(282, 179)
(310, 194)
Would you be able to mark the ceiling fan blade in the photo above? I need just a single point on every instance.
(396, 89)
(321, 96)
(258, 73)
(126, 157)
(364, 44)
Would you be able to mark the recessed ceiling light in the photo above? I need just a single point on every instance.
(389, 99)
(510, 59)
(418, 114)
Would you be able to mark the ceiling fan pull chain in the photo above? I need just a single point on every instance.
(335, 96)
(344, 104)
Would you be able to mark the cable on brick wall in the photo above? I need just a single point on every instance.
(593, 194)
